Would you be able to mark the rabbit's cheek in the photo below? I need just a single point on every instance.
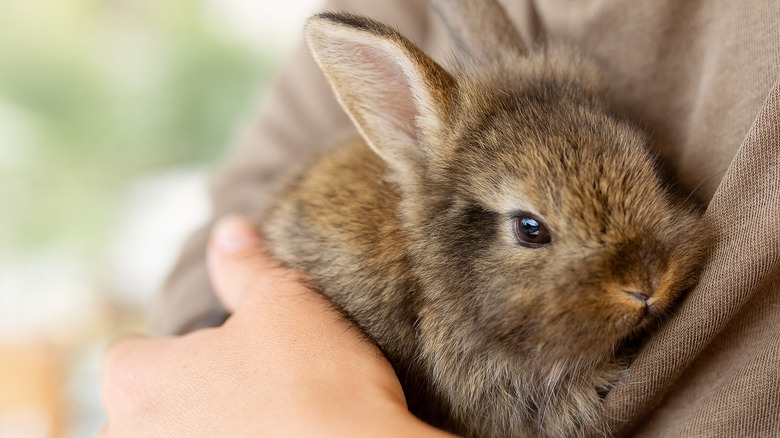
(592, 322)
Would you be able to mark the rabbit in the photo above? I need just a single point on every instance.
(496, 230)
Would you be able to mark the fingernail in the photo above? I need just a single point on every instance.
(234, 233)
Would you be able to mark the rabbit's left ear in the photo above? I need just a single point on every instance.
(397, 96)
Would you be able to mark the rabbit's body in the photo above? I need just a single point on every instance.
(502, 239)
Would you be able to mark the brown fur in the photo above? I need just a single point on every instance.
(489, 338)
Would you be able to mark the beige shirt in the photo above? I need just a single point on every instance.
(701, 77)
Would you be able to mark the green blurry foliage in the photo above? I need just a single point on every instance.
(95, 92)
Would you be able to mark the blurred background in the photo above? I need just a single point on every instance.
(113, 115)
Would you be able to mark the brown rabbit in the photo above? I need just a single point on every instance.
(497, 231)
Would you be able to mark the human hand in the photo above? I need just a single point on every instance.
(286, 363)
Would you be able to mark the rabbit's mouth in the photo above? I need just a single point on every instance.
(646, 306)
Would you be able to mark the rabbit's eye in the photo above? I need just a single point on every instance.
(530, 231)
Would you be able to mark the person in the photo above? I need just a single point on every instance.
(701, 78)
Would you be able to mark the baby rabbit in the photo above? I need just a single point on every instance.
(497, 231)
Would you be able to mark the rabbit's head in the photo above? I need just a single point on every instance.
(539, 222)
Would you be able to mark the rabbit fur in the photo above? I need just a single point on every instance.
(412, 229)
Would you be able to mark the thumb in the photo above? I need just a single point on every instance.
(238, 262)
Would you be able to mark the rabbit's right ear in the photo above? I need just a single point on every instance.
(481, 29)
(396, 95)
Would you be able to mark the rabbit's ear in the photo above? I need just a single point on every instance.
(481, 28)
(396, 95)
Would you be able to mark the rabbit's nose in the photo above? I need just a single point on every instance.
(643, 297)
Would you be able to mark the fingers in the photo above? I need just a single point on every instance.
(150, 386)
(234, 243)
(120, 376)
(239, 264)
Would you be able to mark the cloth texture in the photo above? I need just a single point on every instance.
(702, 78)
